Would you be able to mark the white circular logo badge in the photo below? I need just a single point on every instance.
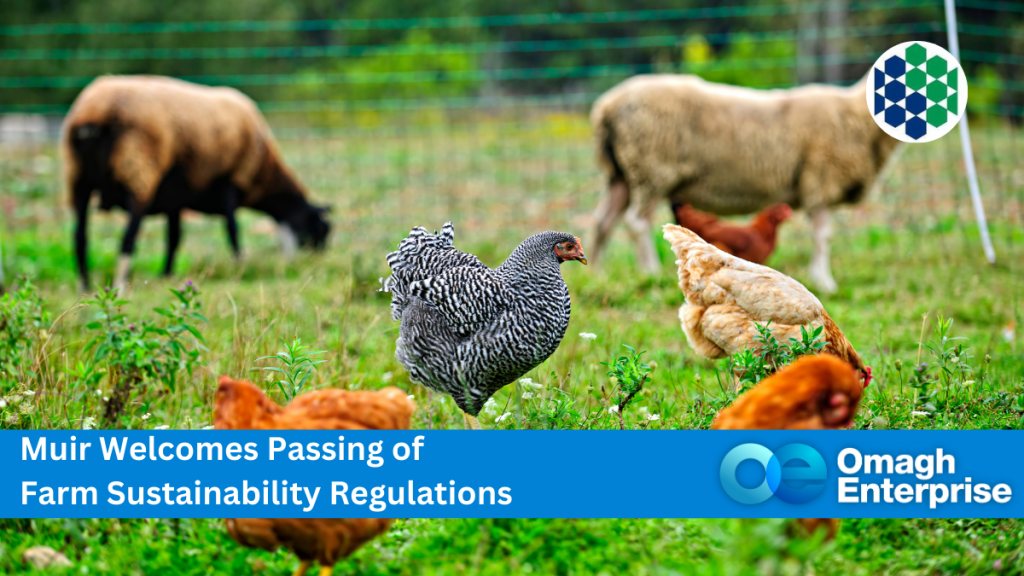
(918, 92)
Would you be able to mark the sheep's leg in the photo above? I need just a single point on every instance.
(821, 265)
(230, 206)
(173, 238)
(81, 235)
(124, 261)
(608, 214)
(639, 225)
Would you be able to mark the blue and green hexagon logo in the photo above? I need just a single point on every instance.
(917, 92)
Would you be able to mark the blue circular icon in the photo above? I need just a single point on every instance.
(790, 483)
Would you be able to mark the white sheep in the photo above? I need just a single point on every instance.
(731, 150)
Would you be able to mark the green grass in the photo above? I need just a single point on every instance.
(907, 253)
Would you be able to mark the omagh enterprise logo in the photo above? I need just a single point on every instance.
(918, 92)
(795, 473)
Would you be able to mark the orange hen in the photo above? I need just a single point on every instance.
(754, 242)
(240, 405)
(813, 393)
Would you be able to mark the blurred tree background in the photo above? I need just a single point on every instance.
(351, 54)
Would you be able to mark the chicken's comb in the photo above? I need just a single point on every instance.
(579, 243)
(867, 376)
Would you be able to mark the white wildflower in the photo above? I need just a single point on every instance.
(503, 417)
(208, 427)
(955, 359)
(146, 416)
(613, 409)
(30, 393)
(443, 399)
(527, 395)
(490, 407)
(411, 397)
(652, 417)
(588, 335)
(918, 413)
(99, 392)
(387, 376)
(3, 403)
(529, 382)
(88, 423)
(969, 383)
(164, 427)
(106, 398)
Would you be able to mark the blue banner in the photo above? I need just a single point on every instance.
(510, 474)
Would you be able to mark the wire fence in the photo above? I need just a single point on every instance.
(483, 119)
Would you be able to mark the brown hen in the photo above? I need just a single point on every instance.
(813, 393)
(726, 296)
(754, 242)
(240, 405)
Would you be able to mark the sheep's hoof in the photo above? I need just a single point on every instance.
(824, 283)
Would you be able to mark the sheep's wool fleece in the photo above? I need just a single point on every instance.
(468, 330)
(209, 131)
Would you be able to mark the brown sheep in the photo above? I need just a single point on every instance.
(731, 150)
(154, 145)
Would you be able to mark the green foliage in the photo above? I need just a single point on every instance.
(745, 62)
(298, 364)
(23, 320)
(769, 355)
(986, 90)
(135, 354)
(433, 73)
(630, 375)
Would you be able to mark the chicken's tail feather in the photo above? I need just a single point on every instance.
(681, 239)
(412, 252)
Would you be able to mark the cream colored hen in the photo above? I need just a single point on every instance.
(726, 295)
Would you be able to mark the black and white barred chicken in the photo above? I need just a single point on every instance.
(468, 330)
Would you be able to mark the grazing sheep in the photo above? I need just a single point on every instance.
(154, 145)
(730, 150)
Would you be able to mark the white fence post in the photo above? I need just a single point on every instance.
(965, 142)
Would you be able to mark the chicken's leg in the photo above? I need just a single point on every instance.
(326, 570)
(471, 422)
(303, 567)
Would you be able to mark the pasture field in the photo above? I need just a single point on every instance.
(903, 260)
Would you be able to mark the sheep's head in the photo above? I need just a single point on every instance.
(310, 226)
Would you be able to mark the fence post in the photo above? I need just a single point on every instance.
(965, 142)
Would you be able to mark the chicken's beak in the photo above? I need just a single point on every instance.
(582, 258)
